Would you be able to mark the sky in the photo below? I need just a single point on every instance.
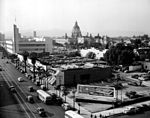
(106, 17)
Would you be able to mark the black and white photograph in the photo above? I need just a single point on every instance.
(74, 58)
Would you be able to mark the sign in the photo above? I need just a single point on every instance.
(92, 92)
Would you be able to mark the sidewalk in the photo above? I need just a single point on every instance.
(83, 112)
(116, 111)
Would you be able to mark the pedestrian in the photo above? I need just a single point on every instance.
(100, 115)
(95, 116)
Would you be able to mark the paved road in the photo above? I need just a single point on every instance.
(9, 107)
(12, 74)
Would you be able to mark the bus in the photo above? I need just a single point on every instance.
(72, 114)
(43, 96)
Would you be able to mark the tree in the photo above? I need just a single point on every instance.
(137, 43)
(33, 57)
(120, 55)
(65, 92)
(25, 55)
(58, 88)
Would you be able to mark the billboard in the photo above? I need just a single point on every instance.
(101, 93)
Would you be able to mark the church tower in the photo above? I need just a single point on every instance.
(76, 31)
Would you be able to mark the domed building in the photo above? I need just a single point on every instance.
(76, 31)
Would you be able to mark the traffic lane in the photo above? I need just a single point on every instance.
(9, 107)
(23, 85)
(52, 111)
(31, 108)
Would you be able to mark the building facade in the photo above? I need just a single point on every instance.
(2, 39)
(72, 77)
(34, 44)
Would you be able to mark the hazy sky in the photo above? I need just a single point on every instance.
(111, 17)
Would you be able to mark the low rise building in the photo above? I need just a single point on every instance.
(73, 74)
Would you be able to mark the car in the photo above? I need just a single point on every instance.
(30, 88)
(20, 79)
(127, 109)
(59, 101)
(132, 111)
(66, 106)
(37, 82)
(12, 89)
(133, 83)
(131, 94)
(30, 99)
(29, 77)
(145, 107)
(26, 74)
(41, 111)
(135, 76)
(43, 87)
(22, 71)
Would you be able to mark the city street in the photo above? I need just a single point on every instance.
(9, 107)
(10, 74)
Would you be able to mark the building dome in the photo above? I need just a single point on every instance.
(76, 31)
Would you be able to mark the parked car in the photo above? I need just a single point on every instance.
(59, 101)
(20, 79)
(37, 82)
(66, 106)
(29, 77)
(26, 74)
(30, 99)
(146, 107)
(136, 76)
(131, 94)
(133, 83)
(127, 109)
(30, 88)
(22, 71)
(43, 87)
(132, 111)
(41, 111)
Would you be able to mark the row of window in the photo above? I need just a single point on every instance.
(32, 49)
(31, 45)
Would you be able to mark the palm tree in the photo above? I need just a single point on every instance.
(33, 57)
(65, 93)
(73, 92)
(25, 56)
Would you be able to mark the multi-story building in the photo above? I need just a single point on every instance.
(2, 39)
(34, 44)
